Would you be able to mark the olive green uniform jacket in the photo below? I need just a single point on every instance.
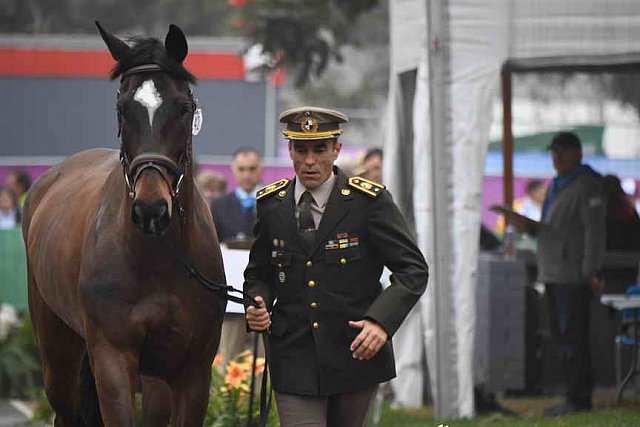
(313, 292)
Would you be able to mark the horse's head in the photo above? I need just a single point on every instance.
(155, 112)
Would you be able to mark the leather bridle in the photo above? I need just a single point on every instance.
(168, 169)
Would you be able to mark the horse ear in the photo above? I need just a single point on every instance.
(117, 47)
(176, 44)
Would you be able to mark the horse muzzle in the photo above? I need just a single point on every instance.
(152, 219)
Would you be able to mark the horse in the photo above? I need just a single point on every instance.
(107, 235)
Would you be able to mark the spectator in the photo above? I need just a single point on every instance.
(631, 190)
(235, 213)
(571, 245)
(623, 222)
(20, 183)
(212, 185)
(9, 212)
(530, 205)
(371, 166)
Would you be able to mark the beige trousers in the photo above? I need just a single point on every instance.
(339, 410)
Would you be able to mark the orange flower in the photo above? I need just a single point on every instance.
(218, 360)
(239, 23)
(247, 362)
(235, 375)
(260, 365)
(236, 3)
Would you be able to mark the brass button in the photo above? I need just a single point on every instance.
(311, 283)
(309, 264)
(314, 305)
(343, 261)
(316, 325)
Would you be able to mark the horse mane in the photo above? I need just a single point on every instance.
(150, 51)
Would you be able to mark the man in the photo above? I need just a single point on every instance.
(371, 165)
(235, 213)
(322, 241)
(571, 244)
(234, 216)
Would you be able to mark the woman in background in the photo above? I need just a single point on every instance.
(9, 212)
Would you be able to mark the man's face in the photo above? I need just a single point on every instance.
(373, 169)
(565, 159)
(313, 160)
(11, 182)
(247, 171)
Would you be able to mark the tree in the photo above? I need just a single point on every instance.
(195, 17)
(302, 36)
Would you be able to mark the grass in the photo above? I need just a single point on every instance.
(605, 413)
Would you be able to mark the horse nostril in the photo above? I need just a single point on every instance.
(151, 219)
(162, 210)
(138, 211)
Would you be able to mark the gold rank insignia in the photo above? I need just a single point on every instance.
(365, 186)
(273, 188)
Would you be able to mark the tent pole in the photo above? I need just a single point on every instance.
(447, 401)
(507, 139)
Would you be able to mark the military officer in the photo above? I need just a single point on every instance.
(322, 240)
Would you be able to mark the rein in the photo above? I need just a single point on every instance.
(164, 165)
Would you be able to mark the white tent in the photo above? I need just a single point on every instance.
(446, 60)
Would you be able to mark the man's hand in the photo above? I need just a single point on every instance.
(258, 318)
(596, 284)
(369, 341)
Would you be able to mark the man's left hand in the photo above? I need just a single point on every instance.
(369, 341)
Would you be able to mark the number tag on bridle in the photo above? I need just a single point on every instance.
(196, 125)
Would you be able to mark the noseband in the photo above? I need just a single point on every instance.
(163, 164)
(167, 168)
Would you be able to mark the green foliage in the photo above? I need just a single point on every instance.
(42, 412)
(302, 35)
(605, 413)
(19, 366)
(195, 17)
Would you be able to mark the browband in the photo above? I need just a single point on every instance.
(139, 69)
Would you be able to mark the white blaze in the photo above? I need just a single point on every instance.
(148, 96)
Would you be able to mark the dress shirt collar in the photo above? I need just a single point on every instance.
(320, 194)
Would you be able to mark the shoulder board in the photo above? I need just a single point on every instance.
(272, 188)
(364, 185)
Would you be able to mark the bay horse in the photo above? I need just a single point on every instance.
(106, 233)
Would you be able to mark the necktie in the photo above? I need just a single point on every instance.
(306, 225)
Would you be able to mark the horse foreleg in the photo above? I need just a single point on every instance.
(190, 396)
(115, 374)
(61, 353)
(156, 402)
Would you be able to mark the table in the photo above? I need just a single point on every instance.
(622, 302)
(235, 261)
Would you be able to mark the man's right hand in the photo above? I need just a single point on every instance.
(258, 319)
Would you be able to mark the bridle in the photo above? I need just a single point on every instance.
(133, 168)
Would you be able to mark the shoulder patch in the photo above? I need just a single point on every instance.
(365, 186)
(272, 188)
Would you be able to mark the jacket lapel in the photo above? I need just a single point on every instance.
(337, 207)
(287, 216)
